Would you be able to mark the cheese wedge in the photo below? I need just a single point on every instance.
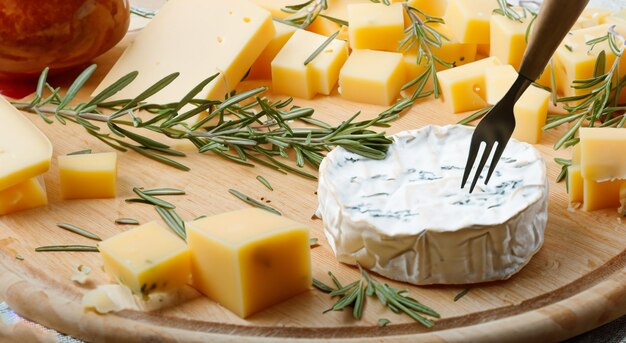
(359, 81)
(147, 259)
(197, 38)
(464, 88)
(88, 176)
(262, 67)
(602, 153)
(25, 152)
(23, 196)
(250, 259)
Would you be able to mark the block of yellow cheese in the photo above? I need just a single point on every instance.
(147, 259)
(275, 7)
(508, 39)
(600, 195)
(375, 26)
(262, 67)
(575, 61)
(592, 17)
(576, 155)
(603, 153)
(436, 8)
(290, 76)
(88, 176)
(373, 77)
(463, 88)
(451, 51)
(531, 111)
(469, 19)
(23, 196)
(574, 184)
(498, 80)
(483, 50)
(196, 38)
(250, 259)
(25, 152)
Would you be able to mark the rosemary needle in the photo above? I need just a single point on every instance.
(382, 322)
(75, 229)
(461, 294)
(313, 242)
(126, 221)
(80, 152)
(264, 182)
(253, 202)
(321, 48)
(171, 222)
(88, 248)
(163, 191)
(153, 200)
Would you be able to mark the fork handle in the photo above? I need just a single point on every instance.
(555, 19)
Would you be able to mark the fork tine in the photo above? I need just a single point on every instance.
(474, 146)
(495, 160)
(481, 165)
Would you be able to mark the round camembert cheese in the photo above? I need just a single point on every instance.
(406, 217)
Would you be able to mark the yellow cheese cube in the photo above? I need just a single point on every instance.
(603, 153)
(574, 184)
(373, 77)
(545, 79)
(88, 176)
(469, 19)
(250, 259)
(622, 199)
(592, 17)
(576, 155)
(498, 80)
(463, 88)
(435, 8)
(324, 26)
(451, 51)
(600, 195)
(23, 196)
(483, 50)
(275, 7)
(25, 152)
(262, 67)
(196, 38)
(579, 63)
(508, 39)
(147, 259)
(290, 76)
(531, 111)
(375, 26)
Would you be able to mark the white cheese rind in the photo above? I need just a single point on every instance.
(406, 218)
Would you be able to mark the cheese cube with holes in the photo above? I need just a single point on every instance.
(262, 67)
(508, 39)
(575, 184)
(531, 111)
(147, 259)
(250, 259)
(88, 176)
(574, 60)
(290, 76)
(451, 51)
(373, 77)
(23, 196)
(196, 38)
(601, 195)
(603, 153)
(464, 88)
(469, 19)
(25, 152)
(375, 26)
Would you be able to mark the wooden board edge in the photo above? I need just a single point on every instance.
(61, 310)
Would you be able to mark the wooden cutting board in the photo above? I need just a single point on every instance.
(576, 282)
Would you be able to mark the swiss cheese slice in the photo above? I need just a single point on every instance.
(25, 152)
(405, 217)
(197, 38)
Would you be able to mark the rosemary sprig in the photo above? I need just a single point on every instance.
(250, 201)
(173, 221)
(354, 295)
(153, 200)
(166, 210)
(80, 248)
(321, 48)
(79, 231)
(303, 14)
(259, 132)
(423, 38)
(264, 182)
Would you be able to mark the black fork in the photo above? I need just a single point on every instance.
(554, 20)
